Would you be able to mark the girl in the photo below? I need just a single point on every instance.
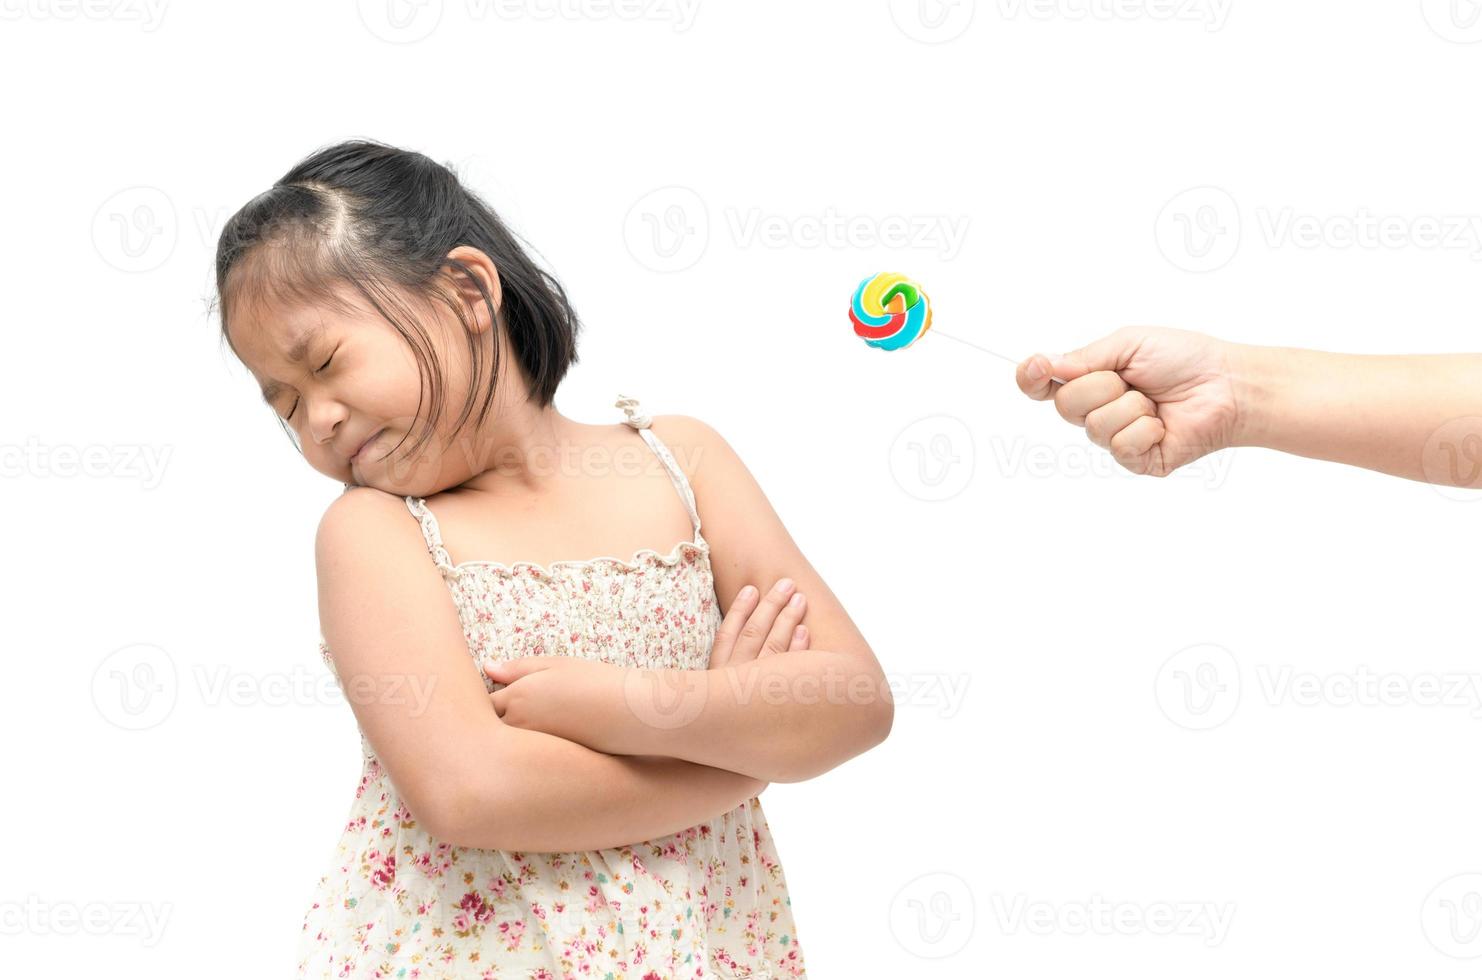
(588, 804)
(1159, 398)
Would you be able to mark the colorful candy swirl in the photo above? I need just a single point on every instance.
(890, 311)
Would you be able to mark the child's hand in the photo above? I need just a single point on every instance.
(554, 694)
(1157, 398)
(760, 625)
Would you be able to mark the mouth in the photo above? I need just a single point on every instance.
(374, 435)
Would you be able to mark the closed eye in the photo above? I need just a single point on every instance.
(321, 367)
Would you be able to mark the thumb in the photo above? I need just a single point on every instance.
(1111, 353)
(507, 671)
(1040, 375)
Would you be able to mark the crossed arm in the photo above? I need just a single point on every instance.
(778, 718)
(616, 776)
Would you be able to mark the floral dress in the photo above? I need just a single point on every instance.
(709, 902)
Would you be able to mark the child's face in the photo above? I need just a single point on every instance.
(357, 380)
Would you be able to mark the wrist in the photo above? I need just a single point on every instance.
(1256, 384)
(650, 706)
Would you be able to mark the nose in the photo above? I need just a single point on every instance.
(324, 415)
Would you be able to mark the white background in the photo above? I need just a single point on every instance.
(1050, 589)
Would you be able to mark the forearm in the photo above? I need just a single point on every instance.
(1417, 416)
(781, 718)
(538, 792)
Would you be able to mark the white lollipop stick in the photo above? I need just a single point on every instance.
(1002, 357)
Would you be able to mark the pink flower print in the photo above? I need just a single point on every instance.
(512, 931)
(473, 902)
(383, 876)
(434, 863)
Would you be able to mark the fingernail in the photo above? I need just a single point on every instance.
(797, 601)
(488, 664)
(1034, 372)
(783, 586)
(747, 593)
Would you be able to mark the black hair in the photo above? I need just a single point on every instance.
(368, 215)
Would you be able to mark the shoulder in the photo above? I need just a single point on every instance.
(363, 521)
(697, 447)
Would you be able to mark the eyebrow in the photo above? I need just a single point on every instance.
(298, 352)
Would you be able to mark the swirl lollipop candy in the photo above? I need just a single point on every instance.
(890, 311)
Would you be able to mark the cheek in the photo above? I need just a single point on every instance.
(388, 392)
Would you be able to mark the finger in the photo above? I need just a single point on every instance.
(1104, 422)
(1110, 353)
(1033, 376)
(759, 625)
(788, 619)
(506, 671)
(799, 638)
(722, 649)
(1133, 446)
(498, 698)
(1086, 394)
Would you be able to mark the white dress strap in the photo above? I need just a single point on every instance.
(638, 420)
(432, 535)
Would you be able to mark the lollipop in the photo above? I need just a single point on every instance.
(890, 311)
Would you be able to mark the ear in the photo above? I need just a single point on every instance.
(481, 267)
